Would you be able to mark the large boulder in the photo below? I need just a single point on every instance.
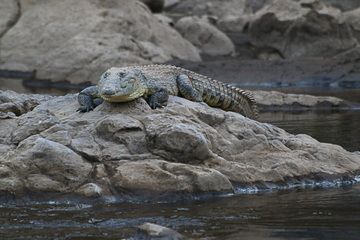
(10, 13)
(202, 34)
(344, 5)
(77, 40)
(353, 19)
(130, 149)
(304, 28)
(270, 100)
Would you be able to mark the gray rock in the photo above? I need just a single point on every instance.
(205, 36)
(353, 19)
(10, 13)
(305, 28)
(90, 190)
(11, 102)
(344, 5)
(47, 165)
(101, 33)
(279, 100)
(218, 8)
(129, 148)
(159, 176)
(171, 3)
(159, 232)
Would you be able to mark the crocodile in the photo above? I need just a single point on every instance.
(156, 82)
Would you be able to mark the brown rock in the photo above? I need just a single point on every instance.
(159, 176)
(185, 147)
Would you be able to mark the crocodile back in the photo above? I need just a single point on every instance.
(214, 93)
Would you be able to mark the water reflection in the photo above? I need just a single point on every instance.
(342, 128)
(302, 214)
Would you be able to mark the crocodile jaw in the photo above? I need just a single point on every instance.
(124, 98)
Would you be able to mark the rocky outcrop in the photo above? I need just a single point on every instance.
(344, 5)
(353, 19)
(122, 149)
(202, 34)
(10, 13)
(301, 29)
(12, 104)
(273, 100)
(77, 40)
(291, 29)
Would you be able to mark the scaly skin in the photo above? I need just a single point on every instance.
(156, 82)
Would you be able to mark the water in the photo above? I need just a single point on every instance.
(303, 214)
(339, 127)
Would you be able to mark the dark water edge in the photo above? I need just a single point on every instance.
(337, 127)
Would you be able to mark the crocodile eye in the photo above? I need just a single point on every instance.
(124, 85)
(121, 74)
(106, 74)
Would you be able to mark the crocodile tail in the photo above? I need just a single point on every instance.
(229, 98)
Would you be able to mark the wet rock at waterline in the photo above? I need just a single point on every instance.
(122, 149)
(155, 231)
(273, 100)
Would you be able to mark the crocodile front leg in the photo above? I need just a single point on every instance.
(89, 99)
(187, 90)
(158, 99)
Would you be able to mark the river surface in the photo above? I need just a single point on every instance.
(298, 214)
(306, 214)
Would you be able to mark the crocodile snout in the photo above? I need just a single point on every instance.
(108, 92)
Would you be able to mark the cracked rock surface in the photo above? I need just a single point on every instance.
(120, 149)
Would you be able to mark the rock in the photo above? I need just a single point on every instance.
(159, 232)
(158, 176)
(205, 36)
(231, 23)
(344, 5)
(101, 33)
(164, 19)
(10, 13)
(170, 3)
(47, 165)
(218, 8)
(278, 100)
(305, 28)
(19, 103)
(353, 18)
(42, 183)
(178, 140)
(90, 190)
(128, 149)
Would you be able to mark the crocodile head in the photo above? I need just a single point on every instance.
(121, 85)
